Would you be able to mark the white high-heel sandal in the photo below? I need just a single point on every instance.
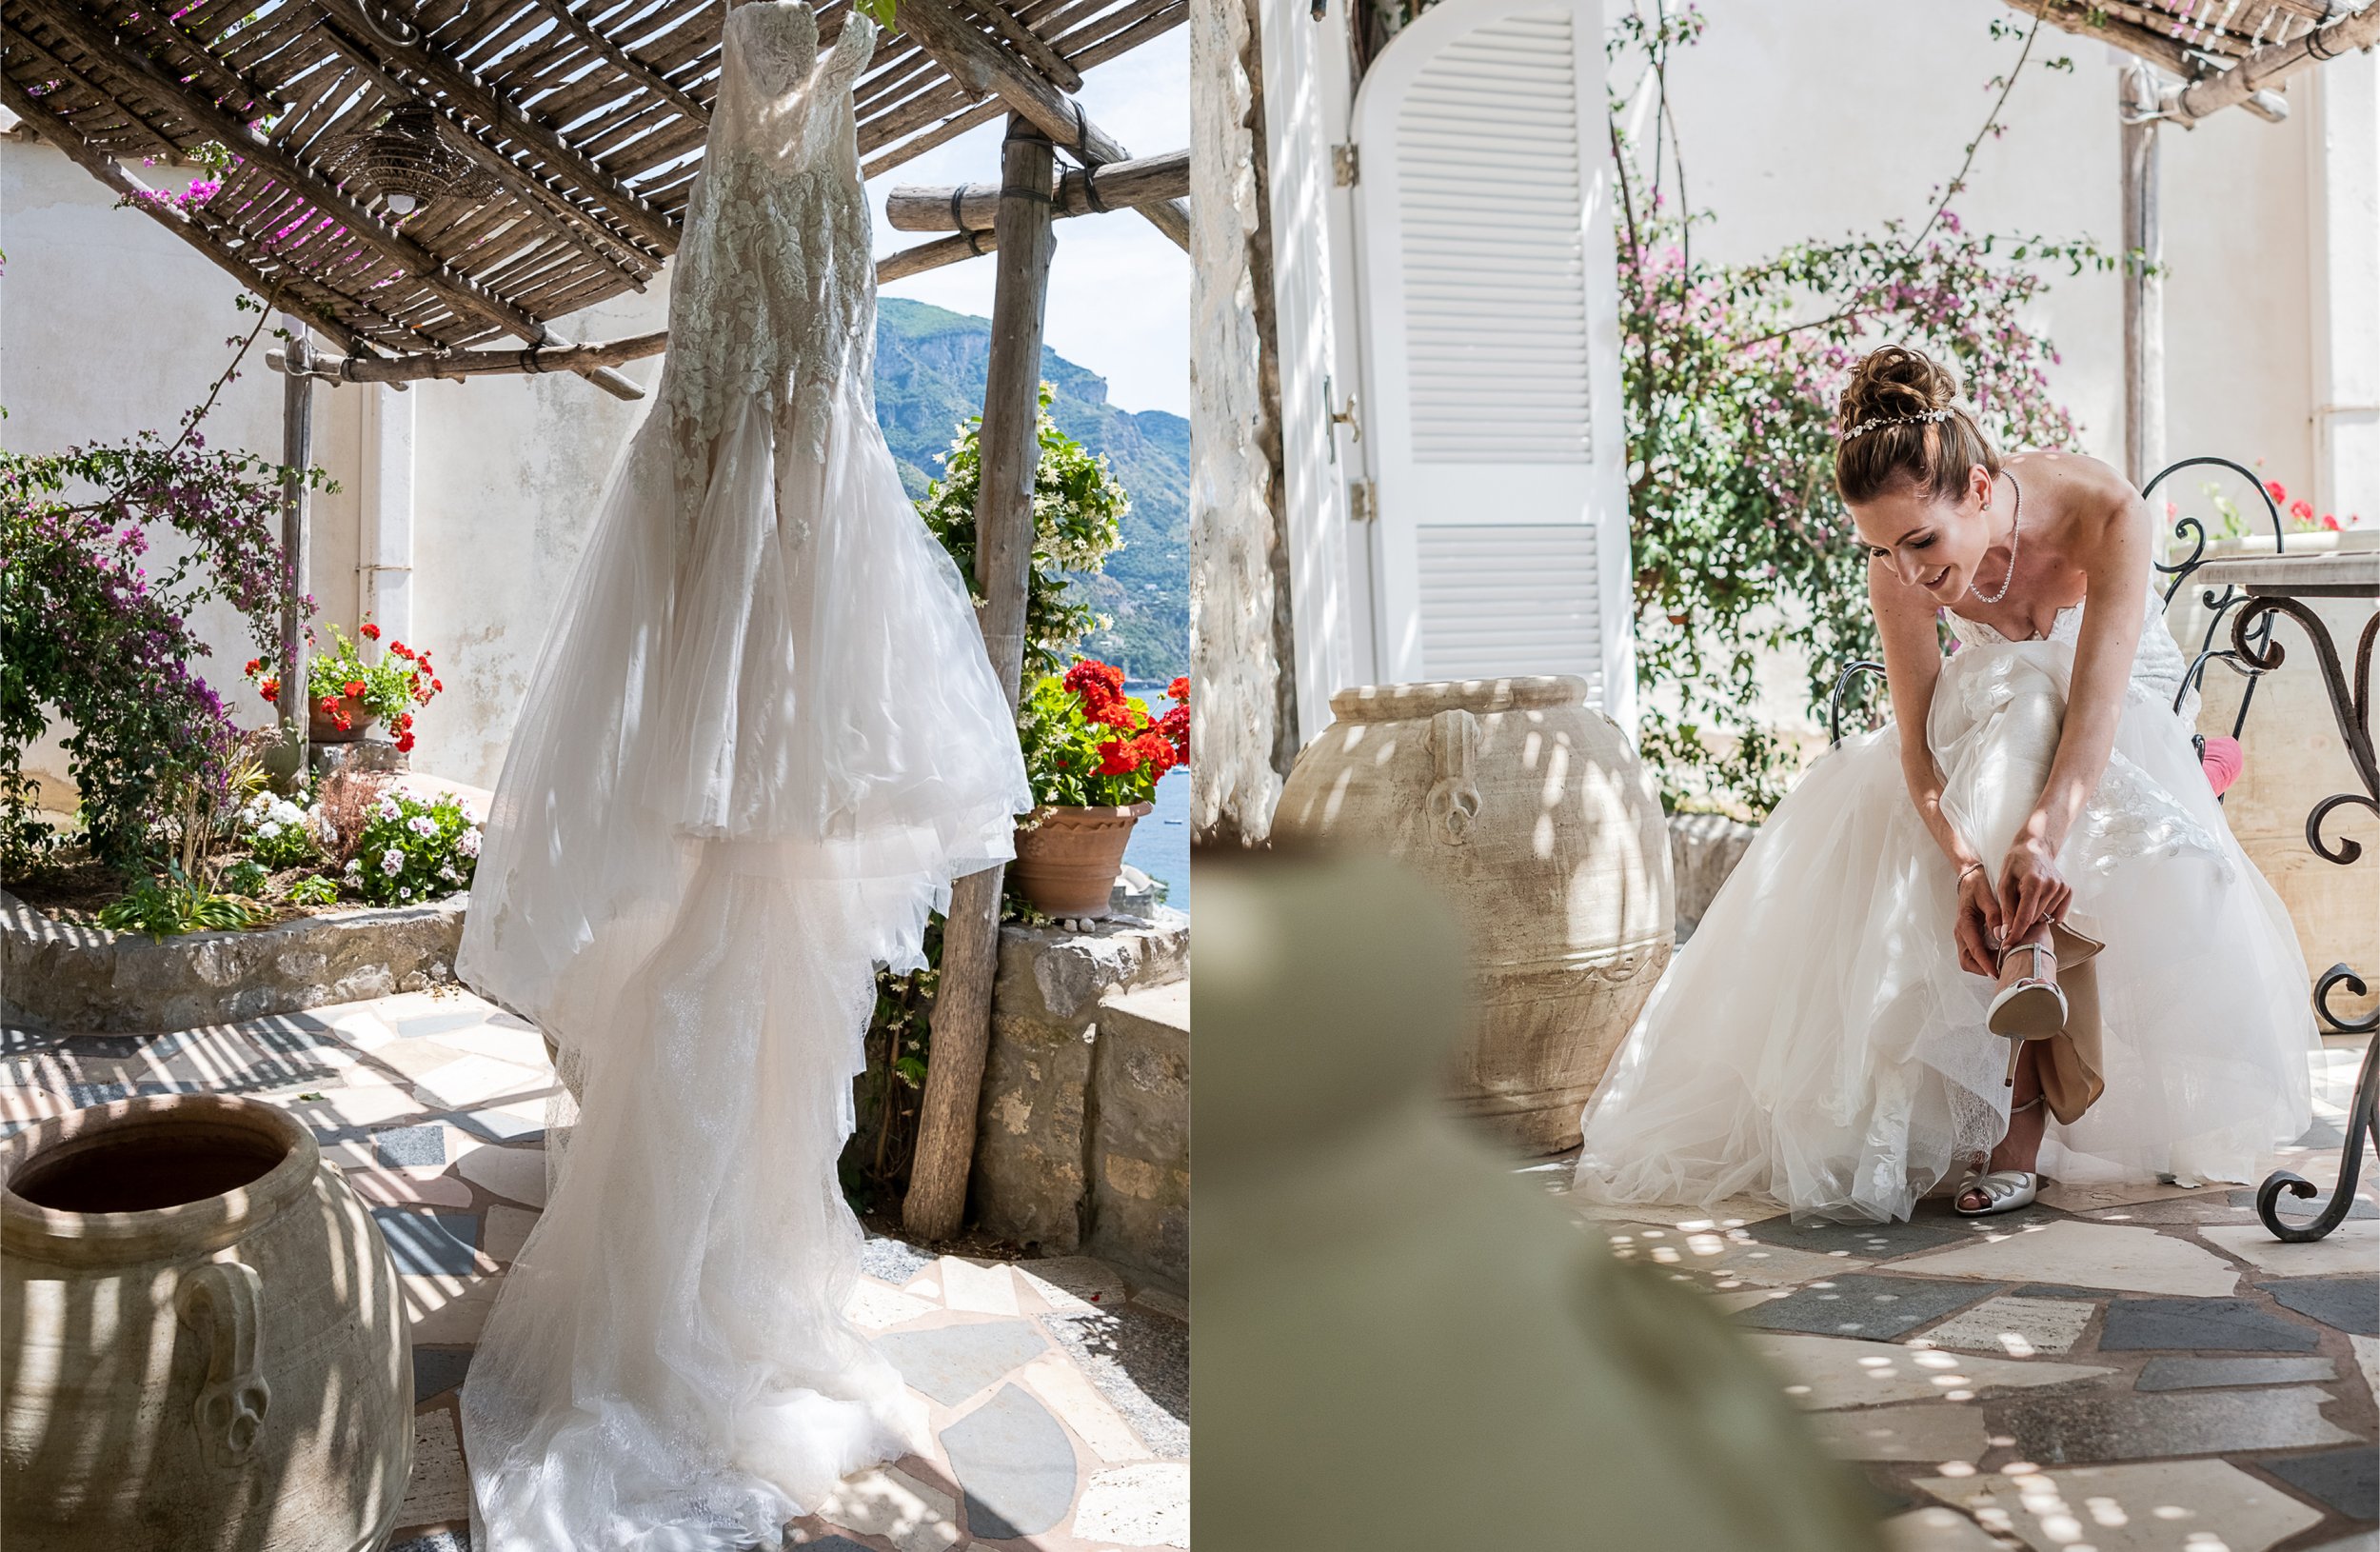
(2003, 1190)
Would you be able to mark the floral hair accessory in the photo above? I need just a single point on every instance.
(1877, 422)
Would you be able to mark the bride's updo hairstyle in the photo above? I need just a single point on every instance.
(1902, 425)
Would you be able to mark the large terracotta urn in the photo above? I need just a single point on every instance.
(1531, 812)
(205, 1345)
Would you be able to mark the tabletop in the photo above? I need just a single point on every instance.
(2338, 574)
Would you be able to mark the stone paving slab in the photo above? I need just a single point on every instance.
(2121, 1258)
(1859, 1305)
(2347, 1479)
(2350, 1247)
(1824, 1373)
(2059, 1430)
(2343, 1303)
(2151, 1506)
(2017, 1327)
(2169, 1372)
(2235, 1326)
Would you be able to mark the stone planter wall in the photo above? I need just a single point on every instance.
(1083, 1140)
(80, 979)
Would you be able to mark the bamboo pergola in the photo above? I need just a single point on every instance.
(586, 117)
(581, 124)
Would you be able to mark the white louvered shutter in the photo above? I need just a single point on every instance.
(1491, 348)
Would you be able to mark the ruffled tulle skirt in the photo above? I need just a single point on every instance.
(1818, 1042)
(762, 740)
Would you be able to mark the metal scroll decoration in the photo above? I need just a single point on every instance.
(397, 21)
(2218, 605)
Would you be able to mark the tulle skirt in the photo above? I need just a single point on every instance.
(1818, 1042)
(762, 740)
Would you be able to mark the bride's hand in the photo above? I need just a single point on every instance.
(1978, 927)
(2031, 889)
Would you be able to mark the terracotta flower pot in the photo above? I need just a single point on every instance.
(1068, 859)
(321, 729)
(205, 1345)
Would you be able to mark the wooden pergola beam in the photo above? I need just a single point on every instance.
(17, 38)
(456, 291)
(589, 236)
(624, 62)
(982, 65)
(462, 364)
(2268, 67)
(104, 167)
(2089, 22)
(476, 97)
(974, 207)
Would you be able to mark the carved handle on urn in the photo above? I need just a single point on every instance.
(1454, 799)
(222, 1302)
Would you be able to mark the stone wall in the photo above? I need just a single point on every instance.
(1703, 849)
(80, 979)
(1083, 1137)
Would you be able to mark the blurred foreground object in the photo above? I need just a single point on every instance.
(1401, 1342)
(1530, 811)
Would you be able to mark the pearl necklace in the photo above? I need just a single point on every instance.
(2015, 525)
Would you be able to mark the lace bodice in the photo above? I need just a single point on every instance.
(773, 291)
(2157, 663)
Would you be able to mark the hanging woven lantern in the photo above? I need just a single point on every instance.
(404, 161)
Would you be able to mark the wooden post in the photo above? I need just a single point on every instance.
(1010, 452)
(2144, 287)
(297, 451)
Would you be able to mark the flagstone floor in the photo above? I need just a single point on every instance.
(2119, 1369)
(1056, 1390)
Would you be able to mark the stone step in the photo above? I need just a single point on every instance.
(1139, 1186)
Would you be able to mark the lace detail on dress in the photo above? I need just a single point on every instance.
(2131, 816)
(773, 293)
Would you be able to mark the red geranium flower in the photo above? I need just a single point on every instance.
(1119, 758)
(330, 704)
(400, 650)
(270, 689)
(354, 689)
(437, 685)
(2329, 521)
(253, 663)
(2302, 510)
(1178, 690)
(404, 743)
(2273, 489)
(371, 631)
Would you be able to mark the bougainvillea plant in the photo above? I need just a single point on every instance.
(92, 635)
(1089, 745)
(1078, 512)
(390, 686)
(1731, 371)
(413, 850)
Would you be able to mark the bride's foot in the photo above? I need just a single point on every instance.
(2007, 1180)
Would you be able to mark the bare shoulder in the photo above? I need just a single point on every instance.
(2089, 504)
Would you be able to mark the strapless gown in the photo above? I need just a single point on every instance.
(762, 740)
(1816, 1042)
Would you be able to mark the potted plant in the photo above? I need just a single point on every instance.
(345, 695)
(1094, 755)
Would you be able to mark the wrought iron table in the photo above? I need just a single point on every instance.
(2275, 587)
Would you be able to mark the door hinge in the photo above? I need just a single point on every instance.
(1344, 168)
(1363, 502)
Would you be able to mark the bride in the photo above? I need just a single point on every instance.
(762, 741)
(2031, 851)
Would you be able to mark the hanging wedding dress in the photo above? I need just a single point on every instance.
(762, 741)
(1818, 1042)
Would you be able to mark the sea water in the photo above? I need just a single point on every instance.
(1160, 842)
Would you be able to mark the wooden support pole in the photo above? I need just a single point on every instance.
(974, 206)
(297, 451)
(2143, 286)
(1010, 452)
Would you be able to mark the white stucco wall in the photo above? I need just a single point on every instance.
(109, 324)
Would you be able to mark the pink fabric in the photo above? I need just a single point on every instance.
(2222, 759)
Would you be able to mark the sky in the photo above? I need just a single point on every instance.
(1118, 289)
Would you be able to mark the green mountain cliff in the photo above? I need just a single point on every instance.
(929, 378)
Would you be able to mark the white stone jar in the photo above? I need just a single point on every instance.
(205, 1345)
(1530, 811)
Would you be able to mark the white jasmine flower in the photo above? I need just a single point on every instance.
(392, 861)
(268, 830)
(284, 812)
